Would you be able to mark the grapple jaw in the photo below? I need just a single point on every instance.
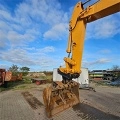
(59, 97)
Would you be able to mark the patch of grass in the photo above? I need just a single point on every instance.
(21, 84)
(2, 89)
(19, 87)
(49, 78)
(25, 83)
(24, 86)
(26, 80)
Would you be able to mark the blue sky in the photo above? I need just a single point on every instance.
(34, 33)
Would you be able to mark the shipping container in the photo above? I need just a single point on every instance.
(83, 79)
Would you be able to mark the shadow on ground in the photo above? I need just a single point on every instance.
(90, 113)
(13, 85)
(32, 101)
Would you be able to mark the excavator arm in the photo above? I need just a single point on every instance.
(64, 94)
(77, 30)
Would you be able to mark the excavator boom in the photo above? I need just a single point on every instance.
(77, 28)
(64, 94)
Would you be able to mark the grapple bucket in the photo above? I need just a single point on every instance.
(59, 97)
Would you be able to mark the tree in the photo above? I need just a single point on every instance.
(24, 70)
(14, 69)
(116, 70)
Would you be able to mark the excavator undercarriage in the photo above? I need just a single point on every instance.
(60, 96)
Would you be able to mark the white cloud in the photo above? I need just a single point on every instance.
(32, 20)
(56, 32)
(103, 28)
(46, 49)
(41, 11)
(105, 51)
(4, 26)
(24, 28)
(4, 13)
(16, 56)
(24, 58)
(99, 63)
(2, 39)
(16, 37)
(4, 66)
(32, 17)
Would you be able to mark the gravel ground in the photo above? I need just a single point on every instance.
(106, 99)
(27, 104)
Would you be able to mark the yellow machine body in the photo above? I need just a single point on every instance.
(62, 95)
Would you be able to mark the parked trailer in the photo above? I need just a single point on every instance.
(38, 81)
(83, 79)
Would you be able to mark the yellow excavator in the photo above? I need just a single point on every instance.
(64, 94)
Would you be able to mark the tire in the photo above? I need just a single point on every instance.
(38, 82)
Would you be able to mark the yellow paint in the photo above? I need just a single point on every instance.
(77, 29)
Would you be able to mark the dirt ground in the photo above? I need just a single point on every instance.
(102, 104)
(27, 104)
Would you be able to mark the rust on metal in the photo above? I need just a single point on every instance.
(59, 97)
(2, 76)
(8, 76)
